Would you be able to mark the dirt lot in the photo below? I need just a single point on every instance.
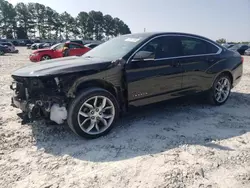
(188, 144)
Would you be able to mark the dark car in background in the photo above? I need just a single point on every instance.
(10, 46)
(36, 46)
(92, 45)
(15, 43)
(240, 48)
(91, 91)
(228, 45)
(3, 49)
(247, 52)
(76, 41)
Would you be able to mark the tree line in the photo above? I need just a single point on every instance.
(30, 20)
(222, 41)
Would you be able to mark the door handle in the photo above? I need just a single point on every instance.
(176, 64)
(211, 60)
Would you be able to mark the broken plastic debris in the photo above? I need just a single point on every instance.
(58, 114)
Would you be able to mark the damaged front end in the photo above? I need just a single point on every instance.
(39, 98)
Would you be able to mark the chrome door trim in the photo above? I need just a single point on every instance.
(181, 35)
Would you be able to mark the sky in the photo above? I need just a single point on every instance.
(229, 19)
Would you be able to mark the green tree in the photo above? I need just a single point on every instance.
(7, 19)
(24, 18)
(67, 21)
(39, 15)
(50, 21)
(108, 25)
(221, 41)
(82, 23)
(35, 19)
(21, 34)
(98, 22)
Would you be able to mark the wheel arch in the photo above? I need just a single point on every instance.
(79, 86)
(96, 83)
(42, 55)
(226, 72)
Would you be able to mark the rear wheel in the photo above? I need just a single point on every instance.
(45, 57)
(221, 90)
(93, 113)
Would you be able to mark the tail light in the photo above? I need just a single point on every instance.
(242, 59)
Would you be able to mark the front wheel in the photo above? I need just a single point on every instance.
(45, 57)
(220, 90)
(93, 113)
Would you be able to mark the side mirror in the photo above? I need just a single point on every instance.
(142, 55)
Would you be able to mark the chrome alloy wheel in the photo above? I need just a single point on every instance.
(96, 115)
(222, 89)
(45, 58)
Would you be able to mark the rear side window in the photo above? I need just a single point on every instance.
(77, 41)
(72, 46)
(193, 46)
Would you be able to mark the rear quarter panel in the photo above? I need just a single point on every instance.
(227, 62)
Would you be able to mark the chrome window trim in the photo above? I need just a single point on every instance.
(177, 57)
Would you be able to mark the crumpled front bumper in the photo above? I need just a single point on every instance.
(19, 104)
(37, 107)
(32, 111)
(29, 110)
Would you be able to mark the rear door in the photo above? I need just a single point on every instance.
(198, 56)
(75, 49)
(157, 77)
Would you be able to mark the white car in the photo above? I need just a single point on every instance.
(10, 46)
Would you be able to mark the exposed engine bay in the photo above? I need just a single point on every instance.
(40, 98)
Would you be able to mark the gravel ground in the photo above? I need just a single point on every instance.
(175, 144)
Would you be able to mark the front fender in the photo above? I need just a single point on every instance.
(113, 76)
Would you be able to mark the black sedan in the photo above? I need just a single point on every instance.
(240, 48)
(91, 91)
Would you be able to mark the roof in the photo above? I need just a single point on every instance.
(152, 34)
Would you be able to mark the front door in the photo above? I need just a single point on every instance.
(153, 74)
(58, 51)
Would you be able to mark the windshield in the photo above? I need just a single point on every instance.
(56, 46)
(116, 48)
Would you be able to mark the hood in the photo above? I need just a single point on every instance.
(41, 50)
(60, 66)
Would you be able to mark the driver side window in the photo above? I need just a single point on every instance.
(161, 47)
(59, 47)
(148, 51)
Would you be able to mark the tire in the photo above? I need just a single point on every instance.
(225, 91)
(45, 57)
(78, 105)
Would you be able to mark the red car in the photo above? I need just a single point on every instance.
(56, 51)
